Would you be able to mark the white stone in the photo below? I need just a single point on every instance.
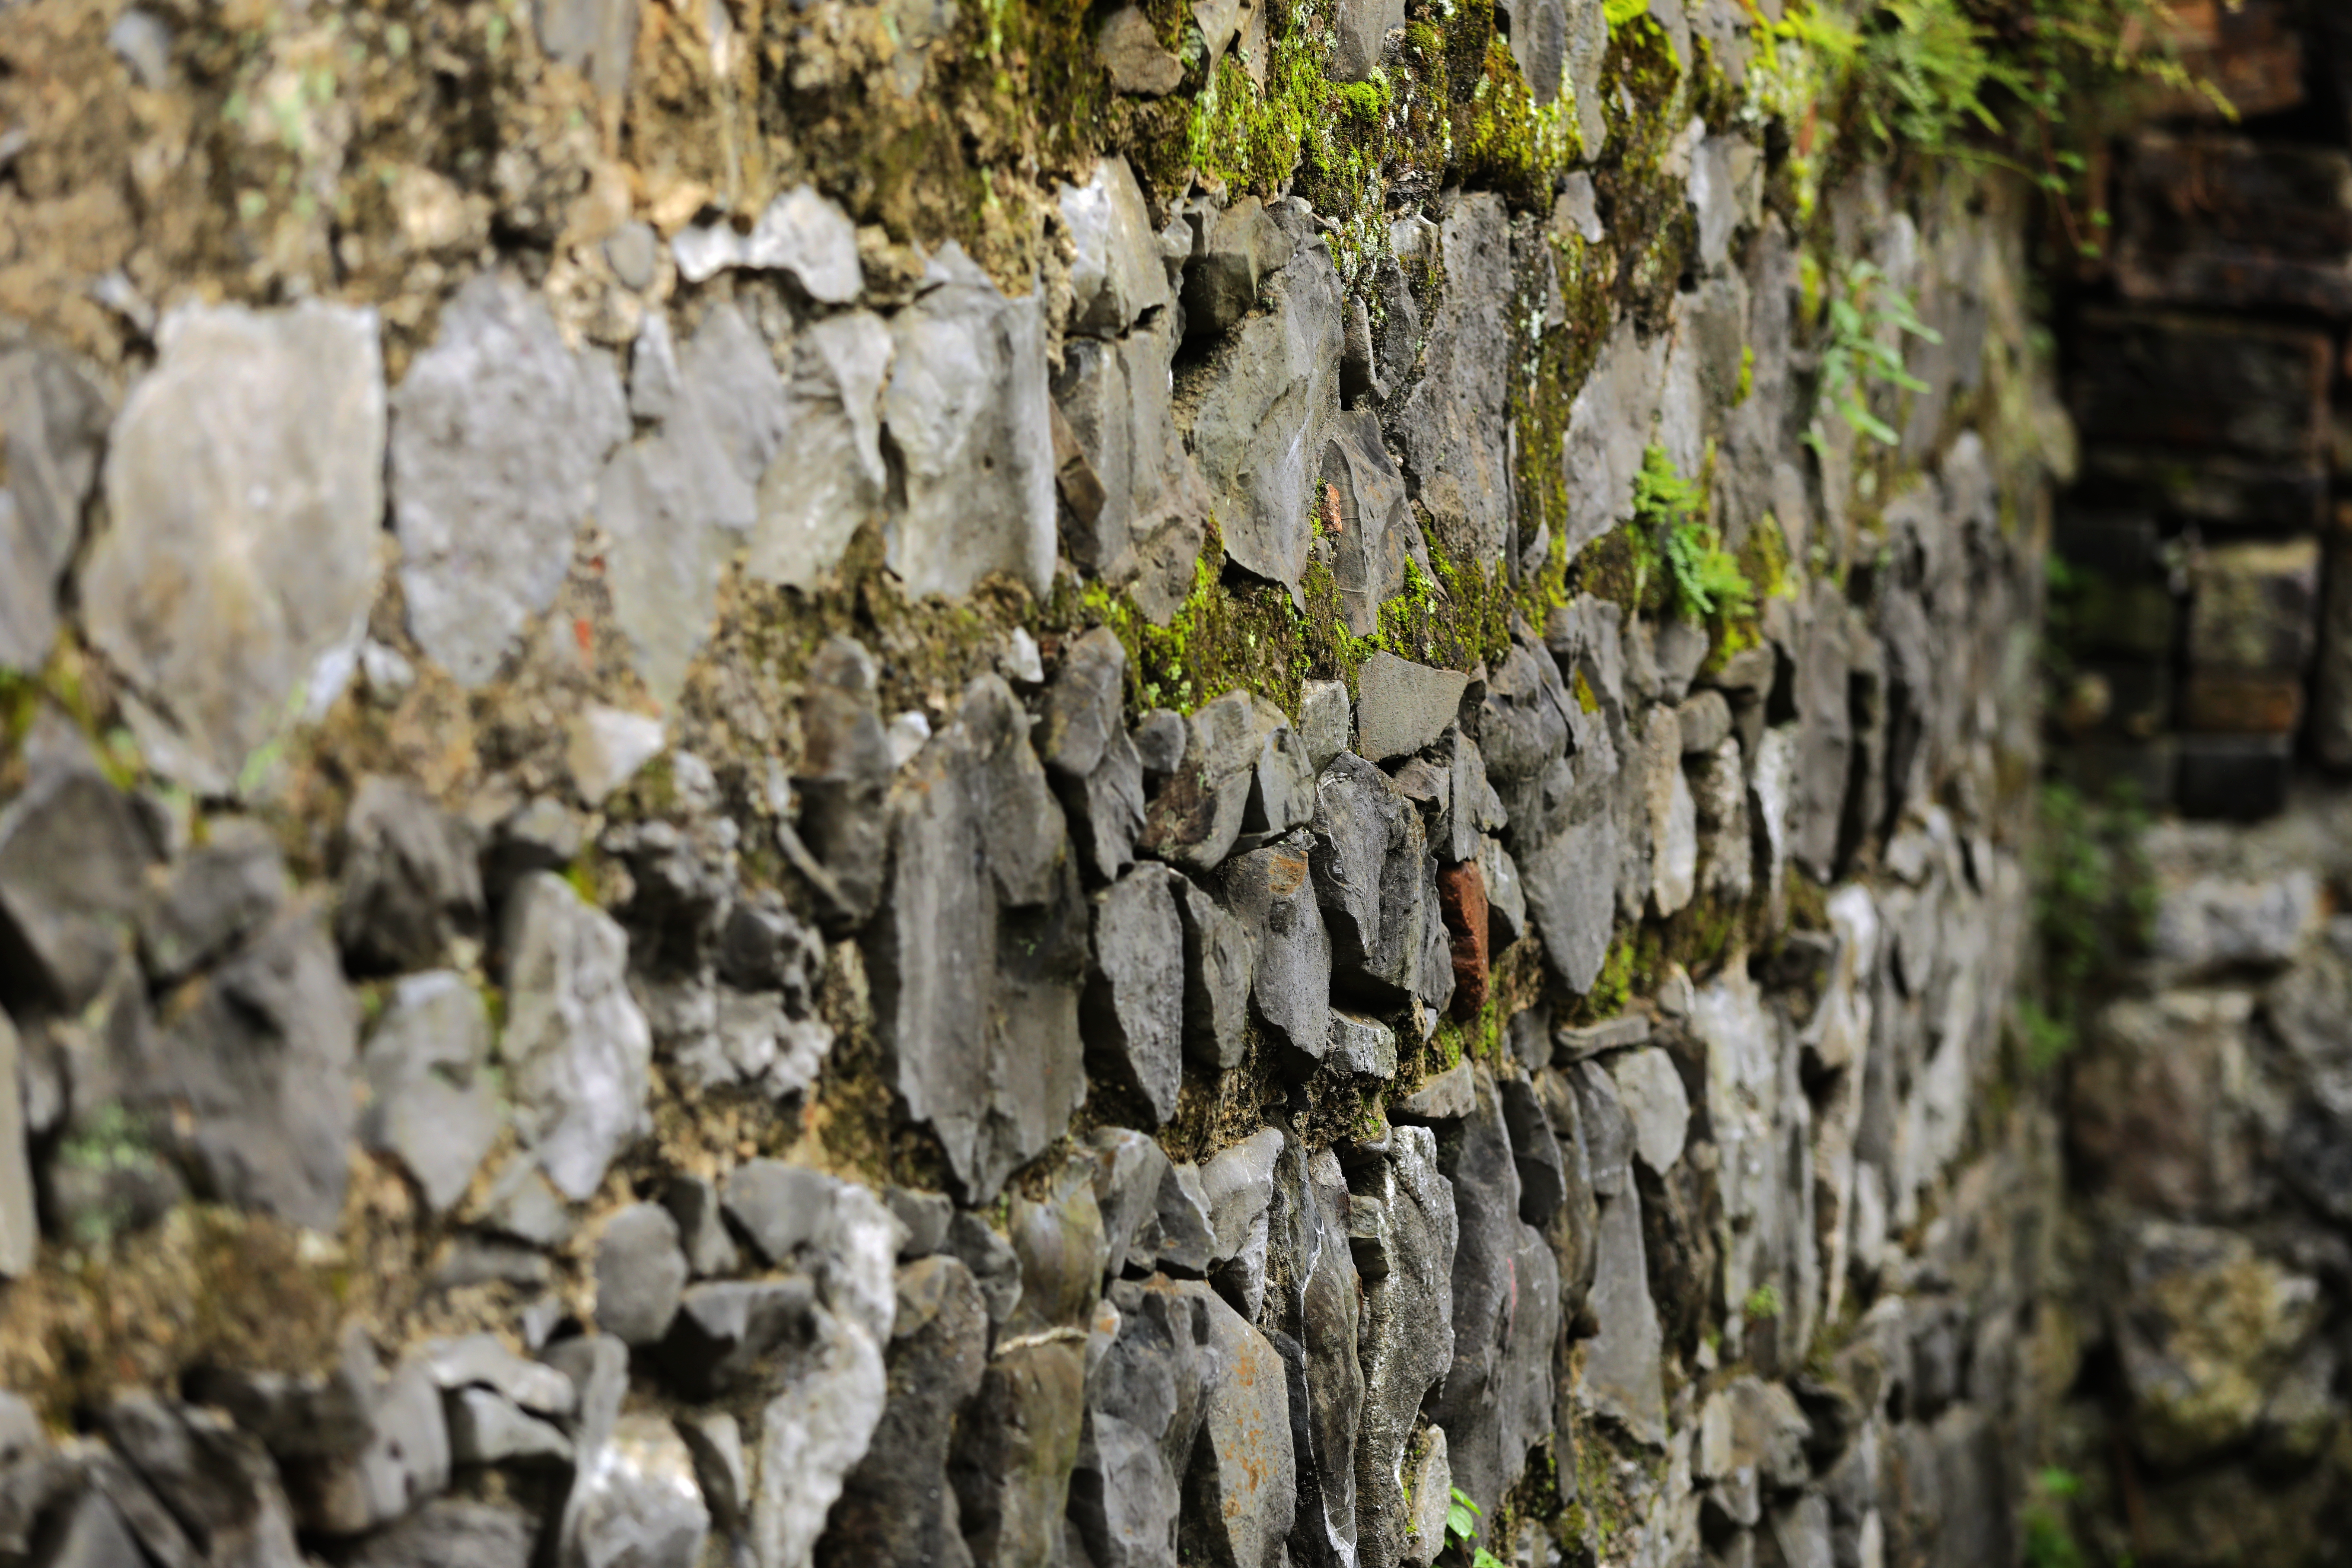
(606, 748)
(1654, 1097)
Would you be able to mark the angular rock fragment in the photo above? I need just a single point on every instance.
(1257, 431)
(1198, 814)
(1117, 275)
(1401, 1229)
(1374, 535)
(579, 1051)
(836, 1231)
(1651, 1090)
(412, 878)
(636, 1500)
(1622, 1373)
(447, 1531)
(1376, 882)
(74, 854)
(640, 1274)
(431, 1104)
(498, 431)
(895, 1506)
(844, 777)
(800, 233)
(827, 474)
(55, 423)
(811, 1433)
(1272, 894)
(1134, 1003)
(245, 482)
(1219, 968)
(1240, 1494)
(1402, 707)
(1129, 48)
(1454, 425)
(217, 1481)
(979, 960)
(485, 1429)
(1018, 1444)
(969, 416)
(218, 894)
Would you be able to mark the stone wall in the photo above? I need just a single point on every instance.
(918, 784)
(2203, 651)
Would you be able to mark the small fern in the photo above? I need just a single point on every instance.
(1668, 508)
(1868, 322)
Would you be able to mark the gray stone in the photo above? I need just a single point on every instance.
(1136, 498)
(256, 1074)
(1083, 706)
(578, 1051)
(523, 1203)
(967, 412)
(594, 37)
(1129, 48)
(812, 1433)
(1608, 428)
(1535, 1151)
(1128, 1170)
(1239, 1184)
(1523, 730)
(479, 1360)
(1719, 793)
(1538, 34)
(926, 1215)
(1219, 957)
(1178, 1239)
(1363, 27)
(400, 1461)
(1117, 275)
(1496, 1400)
(827, 475)
(2208, 922)
(20, 1230)
(217, 1481)
(74, 854)
(1622, 1368)
(1198, 814)
(801, 233)
(224, 578)
(1376, 882)
(1429, 1498)
(1373, 532)
(991, 1259)
(485, 1429)
(498, 432)
(53, 428)
(1570, 886)
(1282, 784)
(412, 878)
(844, 775)
(1134, 1005)
(895, 1506)
(1453, 426)
(716, 1440)
(640, 1274)
(445, 1532)
(1507, 892)
(1445, 1096)
(215, 896)
(1143, 1409)
(605, 748)
(1365, 1047)
(1576, 1043)
(1258, 435)
(1703, 721)
(636, 1500)
(1326, 719)
(764, 947)
(702, 1232)
(431, 1104)
(1401, 707)
(835, 1230)
(88, 1532)
(1059, 1240)
(1749, 1424)
(726, 1335)
(1672, 813)
(1656, 1102)
(1160, 737)
(1234, 252)
(1272, 893)
(978, 965)
(1016, 1450)
(1241, 1490)
(1608, 1130)
(1401, 1229)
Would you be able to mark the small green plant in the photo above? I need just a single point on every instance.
(1763, 1303)
(1706, 578)
(1866, 322)
(1619, 12)
(2093, 904)
(1461, 1523)
(2048, 1543)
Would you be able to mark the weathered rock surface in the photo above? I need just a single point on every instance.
(969, 414)
(245, 484)
(431, 1104)
(1272, 894)
(827, 474)
(55, 423)
(498, 432)
(1402, 1230)
(980, 958)
(577, 1048)
(1134, 1004)
(1452, 425)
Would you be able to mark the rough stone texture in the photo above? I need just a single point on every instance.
(1220, 965)
(827, 474)
(1272, 894)
(431, 1104)
(1257, 433)
(498, 431)
(1133, 1008)
(1401, 1226)
(412, 880)
(578, 1050)
(967, 412)
(800, 233)
(1402, 707)
(640, 1274)
(74, 855)
(1452, 425)
(245, 485)
(55, 425)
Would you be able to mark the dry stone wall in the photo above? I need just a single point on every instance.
(914, 784)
